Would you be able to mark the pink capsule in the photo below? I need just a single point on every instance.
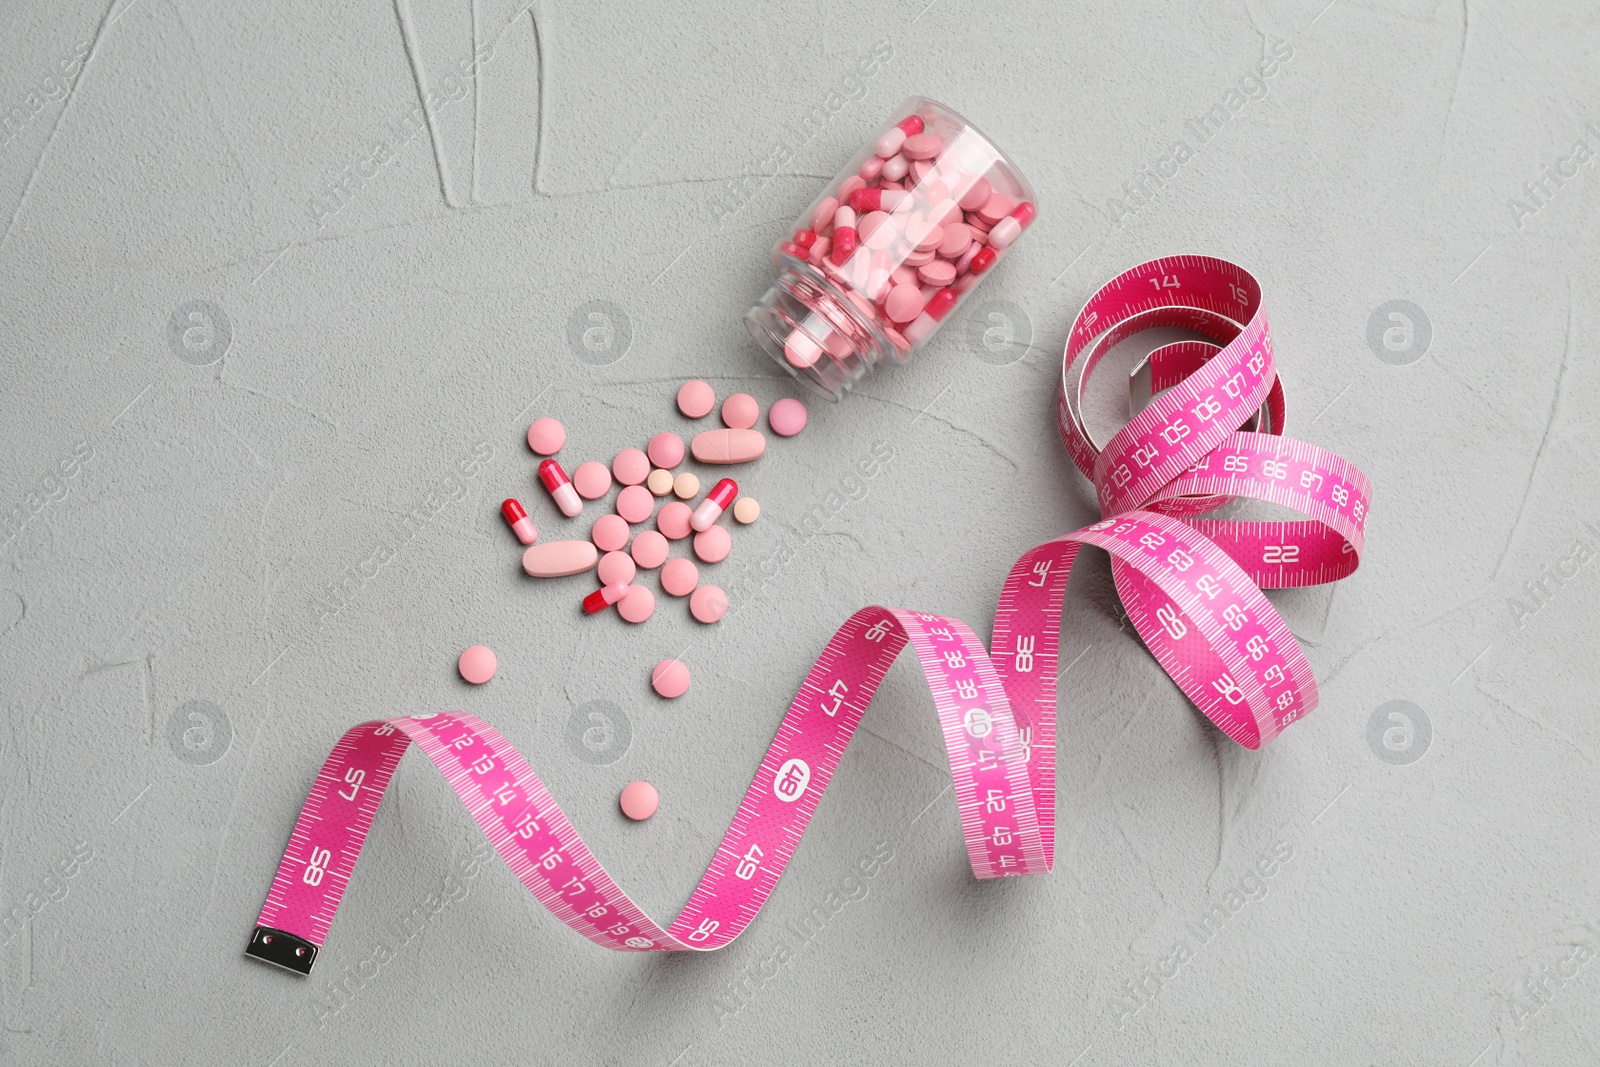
(967, 257)
(819, 249)
(844, 235)
(521, 525)
(604, 597)
(895, 167)
(983, 260)
(560, 486)
(849, 187)
(872, 168)
(823, 216)
(1010, 228)
(864, 200)
(925, 323)
(712, 507)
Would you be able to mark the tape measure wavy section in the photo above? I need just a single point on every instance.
(1192, 588)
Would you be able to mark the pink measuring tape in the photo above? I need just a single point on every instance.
(1192, 589)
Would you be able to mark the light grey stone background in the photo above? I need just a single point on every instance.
(173, 669)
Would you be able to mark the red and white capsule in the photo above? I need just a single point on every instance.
(518, 519)
(604, 597)
(936, 308)
(1010, 228)
(844, 235)
(715, 503)
(889, 144)
(560, 486)
(865, 200)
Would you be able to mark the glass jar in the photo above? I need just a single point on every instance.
(890, 248)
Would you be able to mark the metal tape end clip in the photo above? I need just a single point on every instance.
(282, 949)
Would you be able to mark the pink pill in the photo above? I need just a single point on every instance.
(922, 146)
(546, 436)
(871, 168)
(957, 236)
(890, 143)
(822, 217)
(673, 522)
(708, 604)
(903, 303)
(592, 480)
(649, 549)
(800, 350)
(679, 577)
(638, 605)
(919, 257)
(997, 207)
(848, 186)
(639, 800)
(919, 169)
(740, 411)
(630, 467)
(976, 196)
(872, 223)
(895, 167)
(635, 503)
(670, 678)
(696, 399)
(787, 417)
(903, 275)
(938, 273)
(477, 664)
(616, 568)
(666, 450)
(713, 545)
(610, 533)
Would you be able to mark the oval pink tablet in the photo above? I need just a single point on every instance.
(635, 503)
(997, 207)
(939, 272)
(630, 467)
(713, 545)
(822, 217)
(740, 411)
(639, 800)
(546, 436)
(957, 236)
(557, 559)
(976, 196)
(696, 399)
(665, 450)
(679, 577)
(610, 533)
(903, 303)
(592, 480)
(649, 549)
(670, 678)
(637, 604)
(477, 664)
(922, 146)
(616, 568)
(708, 604)
(728, 446)
(787, 417)
(673, 521)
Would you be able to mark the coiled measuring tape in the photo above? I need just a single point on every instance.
(1191, 587)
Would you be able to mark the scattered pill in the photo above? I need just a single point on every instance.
(696, 399)
(557, 559)
(592, 480)
(665, 449)
(740, 411)
(637, 605)
(787, 417)
(686, 486)
(713, 544)
(546, 436)
(709, 603)
(635, 503)
(728, 446)
(616, 568)
(716, 502)
(679, 577)
(747, 510)
(673, 520)
(649, 549)
(659, 483)
(477, 664)
(604, 597)
(631, 467)
(639, 800)
(609, 533)
(521, 525)
(670, 678)
(560, 486)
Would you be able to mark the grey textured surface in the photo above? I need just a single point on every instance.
(1439, 909)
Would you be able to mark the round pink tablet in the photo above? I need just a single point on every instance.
(674, 520)
(938, 273)
(649, 549)
(787, 417)
(546, 436)
(592, 480)
(477, 664)
(903, 303)
(679, 577)
(713, 545)
(670, 679)
(610, 533)
(631, 467)
(708, 604)
(922, 146)
(696, 399)
(637, 604)
(639, 800)
(635, 503)
(666, 450)
(616, 568)
(740, 411)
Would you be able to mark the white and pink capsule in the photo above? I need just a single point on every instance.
(560, 486)
(716, 502)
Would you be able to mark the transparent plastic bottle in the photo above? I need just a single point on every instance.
(890, 248)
